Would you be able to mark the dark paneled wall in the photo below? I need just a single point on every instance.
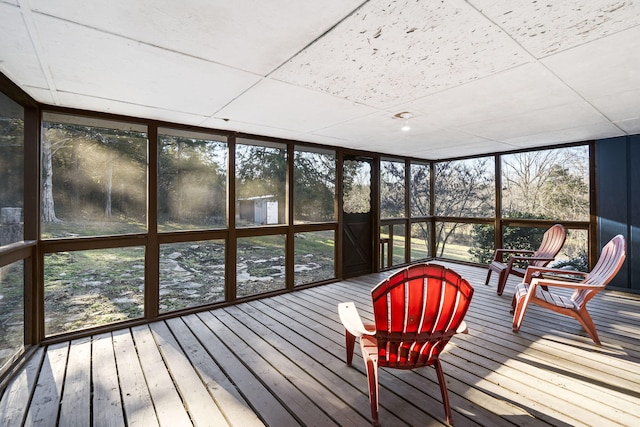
(618, 202)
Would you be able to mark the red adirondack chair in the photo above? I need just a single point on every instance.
(416, 310)
(534, 289)
(552, 242)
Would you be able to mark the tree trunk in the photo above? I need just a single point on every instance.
(48, 213)
(108, 189)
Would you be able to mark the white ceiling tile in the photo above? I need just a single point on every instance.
(277, 104)
(391, 52)
(450, 138)
(468, 149)
(95, 63)
(442, 143)
(249, 35)
(134, 110)
(385, 135)
(529, 87)
(619, 106)
(582, 132)
(41, 95)
(604, 67)
(258, 130)
(544, 27)
(18, 57)
(631, 126)
(327, 140)
(382, 128)
(555, 118)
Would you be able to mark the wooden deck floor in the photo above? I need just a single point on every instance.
(280, 362)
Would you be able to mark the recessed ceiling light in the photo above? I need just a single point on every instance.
(404, 115)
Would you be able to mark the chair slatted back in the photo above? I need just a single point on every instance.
(552, 241)
(417, 310)
(611, 259)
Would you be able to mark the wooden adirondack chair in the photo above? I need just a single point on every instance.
(552, 242)
(534, 289)
(416, 310)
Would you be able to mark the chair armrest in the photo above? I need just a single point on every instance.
(462, 329)
(569, 276)
(499, 253)
(528, 259)
(351, 320)
(532, 258)
(562, 284)
(533, 272)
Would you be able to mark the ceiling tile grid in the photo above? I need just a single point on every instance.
(244, 34)
(478, 76)
(291, 107)
(391, 52)
(547, 27)
(18, 57)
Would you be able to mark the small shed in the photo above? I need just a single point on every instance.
(259, 209)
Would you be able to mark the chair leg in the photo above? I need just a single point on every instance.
(586, 321)
(372, 377)
(486, 282)
(443, 390)
(350, 341)
(519, 303)
(502, 281)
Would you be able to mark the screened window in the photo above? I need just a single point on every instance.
(191, 274)
(192, 180)
(465, 188)
(551, 184)
(419, 241)
(574, 252)
(12, 275)
(314, 256)
(356, 184)
(90, 288)
(314, 174)
(261, 176)
(94, 177)
(392, 185)
(419, 189)
(463, 242)
(260, 265)
(11, 171)
(392, 245)
(11, 311)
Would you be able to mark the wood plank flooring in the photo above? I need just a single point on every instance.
(280, 362)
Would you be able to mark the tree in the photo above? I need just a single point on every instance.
(392, 184)
(192, 180)
(419, 190)
(552, 182)
(314, 186)
(54, 138)
(463, 188)
(565, 194)
(87, 157)
(514, 237)
(356, 186)
(11, 161)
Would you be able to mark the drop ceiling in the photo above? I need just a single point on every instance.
(477, 76)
